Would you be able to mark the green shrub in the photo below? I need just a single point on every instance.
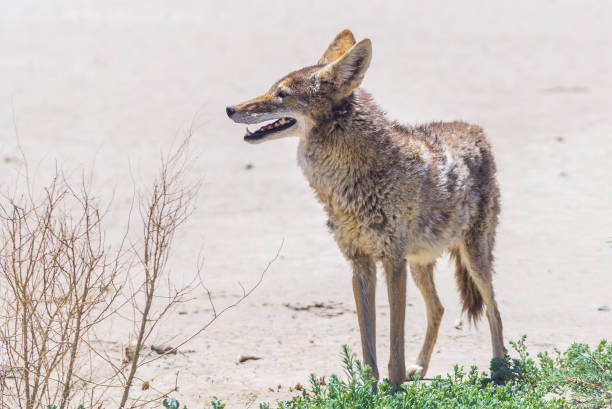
(460, 390)
(576, 378)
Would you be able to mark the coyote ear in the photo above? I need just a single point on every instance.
(348, 71)
(343, 41)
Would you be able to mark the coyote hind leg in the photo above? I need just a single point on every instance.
(364, 289)
(423, 278)
(475, 255)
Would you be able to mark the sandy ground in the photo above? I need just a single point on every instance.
(106, 86)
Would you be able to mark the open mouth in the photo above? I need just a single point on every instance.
(269, 128)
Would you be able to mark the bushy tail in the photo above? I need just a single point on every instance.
(471, 298)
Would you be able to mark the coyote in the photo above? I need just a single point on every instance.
(394, 193)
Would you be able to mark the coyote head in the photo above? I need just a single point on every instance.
(301, 99)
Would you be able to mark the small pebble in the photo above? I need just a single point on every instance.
(163, 349)
(248, 166)
(11, 159)
(603, 308)
(129, 353)
(244, 358)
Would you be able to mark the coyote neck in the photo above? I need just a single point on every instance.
(347, 160)
(347, 143)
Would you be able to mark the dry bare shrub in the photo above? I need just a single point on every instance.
(57, 282)
(163, 210)
(61, 285)
(169, 203)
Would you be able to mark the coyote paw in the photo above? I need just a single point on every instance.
(414, 369)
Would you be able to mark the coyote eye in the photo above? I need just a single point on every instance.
(281, 94)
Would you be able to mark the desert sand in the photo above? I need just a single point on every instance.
(107, 86)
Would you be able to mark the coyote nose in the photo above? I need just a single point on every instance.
(230, 111)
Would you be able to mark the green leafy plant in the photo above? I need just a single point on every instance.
(217, 404)
(576, 378)
(171, 403)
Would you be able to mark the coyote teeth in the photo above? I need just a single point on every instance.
(249, 133)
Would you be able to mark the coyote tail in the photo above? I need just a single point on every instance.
(471, 298)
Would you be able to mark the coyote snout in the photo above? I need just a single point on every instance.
(401, 195)
(272, 107)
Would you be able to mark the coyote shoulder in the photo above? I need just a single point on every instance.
(394, 193)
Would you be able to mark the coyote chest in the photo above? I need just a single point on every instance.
(358, 218)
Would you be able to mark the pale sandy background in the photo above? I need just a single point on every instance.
(107, 85)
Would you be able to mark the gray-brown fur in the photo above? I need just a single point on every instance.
(395, 194)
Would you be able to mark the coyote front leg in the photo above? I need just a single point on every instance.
(364, 288)
(396, 287)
